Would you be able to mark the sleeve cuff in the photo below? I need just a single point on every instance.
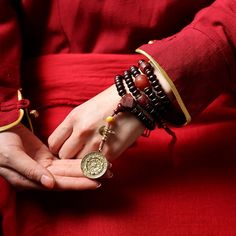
(170, 89)
(12, 117)
(196, 66)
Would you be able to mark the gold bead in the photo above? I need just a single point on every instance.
(34, 113)
(151, 41)
(110, 119)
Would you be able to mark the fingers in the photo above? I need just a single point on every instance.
(62, 182)
(24, 161)
(59, 136)
(70, 168)
(75, 183)
(71, 147)
(66, 168)
(67, 142)
(19, 181)
(68, 176)
(89, 147)
(27, 167)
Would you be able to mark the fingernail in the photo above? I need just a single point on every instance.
(110, 175)
(47, 181)
(99, 185)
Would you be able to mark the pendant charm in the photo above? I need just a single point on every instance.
(94, 165)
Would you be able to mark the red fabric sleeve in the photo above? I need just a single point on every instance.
(201, 58)
(9, 64)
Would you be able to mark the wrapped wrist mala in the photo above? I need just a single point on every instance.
(137, 104)
(147, 92)
(94, 165)
(146, 100)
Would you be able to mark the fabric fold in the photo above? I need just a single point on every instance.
(71, 79)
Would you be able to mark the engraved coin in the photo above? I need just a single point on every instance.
(94, 165)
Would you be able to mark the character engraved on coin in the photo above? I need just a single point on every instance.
(94, 165)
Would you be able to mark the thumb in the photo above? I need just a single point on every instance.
(32, 170)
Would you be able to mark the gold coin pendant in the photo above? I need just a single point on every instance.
(94, 165)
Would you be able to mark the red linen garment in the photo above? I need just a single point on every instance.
(69, 52)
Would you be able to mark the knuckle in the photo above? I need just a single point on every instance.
(64, 128)
(5, 156)
(45, 162)
(73, 116)
(2, 172)
(18, 181)
(84, 131)
(30, 173)
(13, 180)
(2, 160)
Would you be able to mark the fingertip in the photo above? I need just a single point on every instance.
(47, 181)
(53, 149)
(108, 174)
(66, 153)
(62, 156)
(95, 185)
(50, 142)
(98, 185)
(59, 136)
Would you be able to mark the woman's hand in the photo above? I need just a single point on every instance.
(78, 134)
(27, 163)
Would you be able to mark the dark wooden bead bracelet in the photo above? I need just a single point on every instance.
(140, 97)
(150, 102)
(155, 106)
(154, 91)
(135, 109)
(148, 70)
(119, 85)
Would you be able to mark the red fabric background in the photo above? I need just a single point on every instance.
(159, 188)
(31, 28)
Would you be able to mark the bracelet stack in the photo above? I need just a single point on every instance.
(149, 98)
(146, 100)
